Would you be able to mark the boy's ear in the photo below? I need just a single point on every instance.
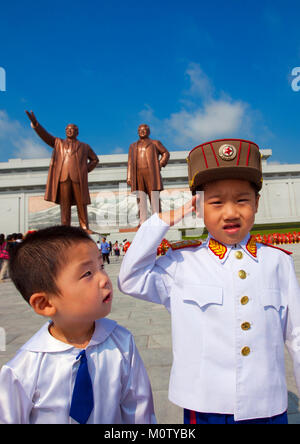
(257, 201)
(41, 303)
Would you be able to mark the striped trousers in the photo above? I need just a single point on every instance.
(192, 417)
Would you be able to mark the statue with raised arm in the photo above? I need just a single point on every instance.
(146, 157)
(67, 182)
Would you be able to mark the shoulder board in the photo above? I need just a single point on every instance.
(277, 248)
(185, 244)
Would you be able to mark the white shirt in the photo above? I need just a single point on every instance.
(36, 386)
(212, 371)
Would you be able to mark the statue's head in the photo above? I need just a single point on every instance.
(143, 131)
(72, 131)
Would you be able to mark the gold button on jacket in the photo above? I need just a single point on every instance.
(238, 254)
(245, 326)
(244, 300)
(242, 274)
(245, 351)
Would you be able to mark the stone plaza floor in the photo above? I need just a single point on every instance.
(149, 323)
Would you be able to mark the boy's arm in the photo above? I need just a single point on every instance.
(293, 323)
(141, 274)
(137, 402)
(15, 406)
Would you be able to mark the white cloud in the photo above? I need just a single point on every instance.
(214, 119)
(118, 150)
(27, 148)
(202, 116)
(200, 84)
(20, 141)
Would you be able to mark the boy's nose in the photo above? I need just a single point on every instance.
(104, 282)
(231, 211)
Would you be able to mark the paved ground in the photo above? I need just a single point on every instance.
(150, 325)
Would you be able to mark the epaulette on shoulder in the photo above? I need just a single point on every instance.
(186, 244)
(277, 248)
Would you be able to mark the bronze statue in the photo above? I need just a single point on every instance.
(70, 164)
(146, 157)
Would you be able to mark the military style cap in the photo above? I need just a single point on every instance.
(224, 159)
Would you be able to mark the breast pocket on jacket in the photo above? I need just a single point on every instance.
(274, 309)
(202, 296)
(271, 298)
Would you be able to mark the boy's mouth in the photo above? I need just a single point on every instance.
(108, 298)
(231, 228)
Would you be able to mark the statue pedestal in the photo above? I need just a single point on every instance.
(128, 230)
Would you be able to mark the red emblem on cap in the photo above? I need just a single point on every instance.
(227, 152)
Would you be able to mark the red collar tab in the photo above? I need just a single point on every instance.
(251, 246)
(217, 248)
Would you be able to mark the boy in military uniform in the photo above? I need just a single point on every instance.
(234, 303)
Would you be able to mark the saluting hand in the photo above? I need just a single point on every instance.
(174, 216)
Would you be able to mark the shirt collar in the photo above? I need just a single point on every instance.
(44, 342)
(221, 251)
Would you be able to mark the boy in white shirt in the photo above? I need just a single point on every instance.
(233, 303)
(80, 367)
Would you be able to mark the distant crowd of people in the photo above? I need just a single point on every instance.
(7, 244)
(107, 249)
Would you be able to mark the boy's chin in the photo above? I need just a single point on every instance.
(231, 238)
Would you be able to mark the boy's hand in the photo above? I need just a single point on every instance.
(174, 216)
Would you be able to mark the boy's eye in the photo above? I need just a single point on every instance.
(87, 274)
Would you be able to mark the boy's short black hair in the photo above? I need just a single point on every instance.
(36, 262)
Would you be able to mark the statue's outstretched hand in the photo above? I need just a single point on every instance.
(41, 132)
(32, 117)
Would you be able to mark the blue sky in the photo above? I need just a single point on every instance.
(193, 70)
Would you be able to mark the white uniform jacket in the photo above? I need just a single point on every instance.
(36, 386)
(232, 309)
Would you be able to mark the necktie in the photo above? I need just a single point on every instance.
(82, 399)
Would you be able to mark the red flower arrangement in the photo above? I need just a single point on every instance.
(163, 247)
(274, 239)
(279, 238)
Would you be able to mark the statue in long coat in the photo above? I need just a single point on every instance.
(146, 157)
(67, 182)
